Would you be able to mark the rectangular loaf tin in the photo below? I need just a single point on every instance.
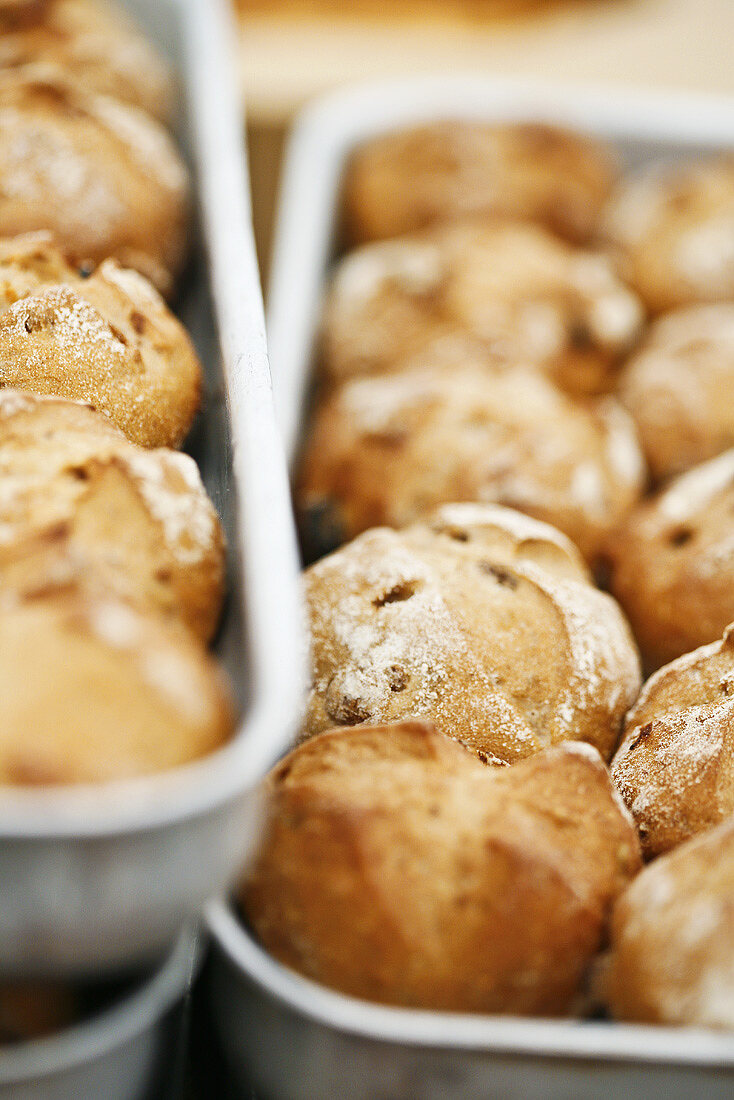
(282, 1034)
(99, 877)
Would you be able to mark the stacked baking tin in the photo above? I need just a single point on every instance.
(98, 881)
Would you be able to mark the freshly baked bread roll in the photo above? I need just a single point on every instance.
(385, 450)
(94, 44)
(673, 227)
(679, 387)
(481, 620)
(675, 766)
(398, 868)
(403, 181)
(92, 690)
(673, 938)
(109, 339)
(672, 562)
(103, 176)
(507, 290)
(71, 482)
(32, 1010)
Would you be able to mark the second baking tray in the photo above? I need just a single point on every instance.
(131, 1048)
(99, 877)
(288, 1037)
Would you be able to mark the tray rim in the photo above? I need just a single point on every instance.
(537, 1037)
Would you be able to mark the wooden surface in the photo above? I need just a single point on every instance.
(287, 58)
(292, 50)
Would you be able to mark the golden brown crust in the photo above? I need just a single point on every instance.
(672, 563)
(32, 1010)
(78, 499)
(400, 182)
(103, 176)
(398, 868)
(481, 620)
(94, 43)
(386, 450)
(678, 387)
(91, 690)
(109, 339)
(675, 766)
(673, 227)
(672, 936)
(504, 290)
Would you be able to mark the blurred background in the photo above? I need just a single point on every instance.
(292, 50)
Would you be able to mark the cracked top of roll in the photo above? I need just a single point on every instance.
(479, 619)
(77, 500)
(108, 339)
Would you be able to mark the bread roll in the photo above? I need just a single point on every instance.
(481, 620)
(672, 563)
(675, 766)
(108, 339)
(398, 868)
(71, 484)
(92, 690)
(400, 182)
(672, 959)
(503, 290)
(679, 387)
(94, 44)
(673, 228)
(386, 450)
(103, 176)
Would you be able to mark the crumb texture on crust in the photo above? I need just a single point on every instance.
(403, 181)
(673, 227)
(497, 638)
(386, 450)
(92, 690)
(506, 291)
(78, 499)
(672, 935)
(678, 388)
(672, 563)
(675, 765)
(108, 339)
(398, 868)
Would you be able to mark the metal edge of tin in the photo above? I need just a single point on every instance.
(137, 858)
(262, 1010)
(114, 1053)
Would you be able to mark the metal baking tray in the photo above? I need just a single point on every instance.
(283, 1034)
(100, 877)
(129, 1050)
